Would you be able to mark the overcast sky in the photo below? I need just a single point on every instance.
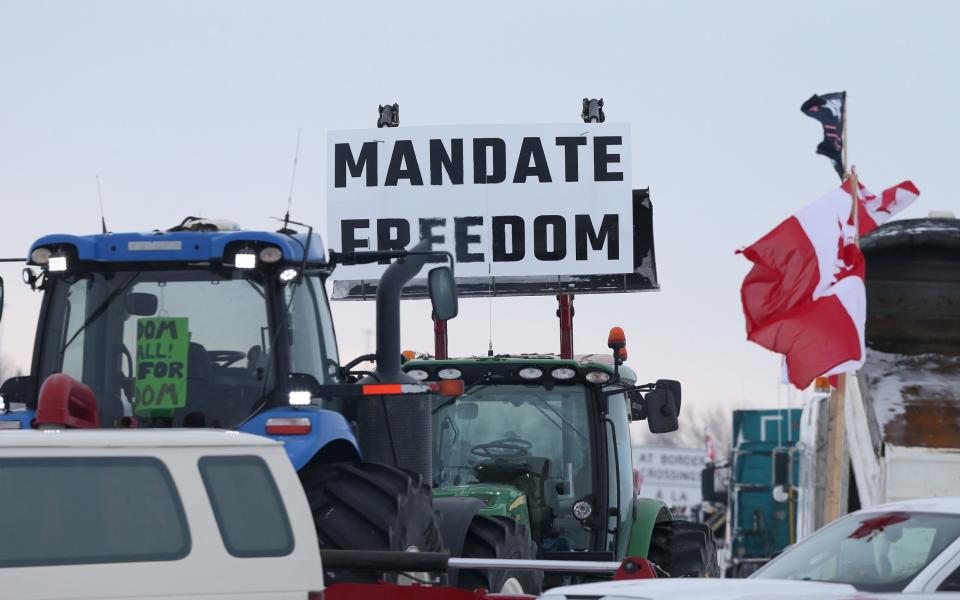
(193, 108)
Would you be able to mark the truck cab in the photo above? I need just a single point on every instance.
(124, 514)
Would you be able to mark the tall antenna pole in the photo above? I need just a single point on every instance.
(103, 219)
(293, 179)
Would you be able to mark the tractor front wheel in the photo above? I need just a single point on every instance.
(684, 549)
(370, 506)
(499, 537)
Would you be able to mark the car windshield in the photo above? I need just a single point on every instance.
(531, 438)
(874, 552)
(176, 348)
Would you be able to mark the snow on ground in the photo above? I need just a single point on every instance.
(916, 398)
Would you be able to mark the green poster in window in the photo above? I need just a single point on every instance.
(163, 344)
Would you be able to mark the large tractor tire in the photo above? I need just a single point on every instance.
(684, 549)
(499, 537)
(370, 506)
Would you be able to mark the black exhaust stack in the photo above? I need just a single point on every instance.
(396, 429)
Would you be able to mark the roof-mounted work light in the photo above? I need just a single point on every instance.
(245, 259)
(288, 275)
(57, 263)
(299, 397)
(270, 254)
(41, 255)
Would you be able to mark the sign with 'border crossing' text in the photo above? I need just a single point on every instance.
(524, 209)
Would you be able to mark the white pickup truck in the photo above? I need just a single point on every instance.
(164, 514)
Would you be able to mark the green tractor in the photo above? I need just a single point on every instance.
(543, 444)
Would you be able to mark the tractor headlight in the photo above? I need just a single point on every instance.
(245, 259)
(40, 256)
(530, 373)
(582, 510)
(299, 398)
(288, 275)
(597, 377)
(418, 374)
(449, 373)
(270, 254)
(57, 263)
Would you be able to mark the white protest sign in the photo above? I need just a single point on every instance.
(670, 474)
(529, 201)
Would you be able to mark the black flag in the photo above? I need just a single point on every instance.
(828, 109)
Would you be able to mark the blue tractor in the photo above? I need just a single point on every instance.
(205, 325)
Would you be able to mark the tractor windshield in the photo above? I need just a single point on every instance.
(527, 437)
(185, 348)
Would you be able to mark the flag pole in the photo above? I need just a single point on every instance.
(837, 464)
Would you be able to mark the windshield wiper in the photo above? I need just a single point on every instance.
(98, 312)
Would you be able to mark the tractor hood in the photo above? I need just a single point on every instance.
(701, 589)
(502, 500)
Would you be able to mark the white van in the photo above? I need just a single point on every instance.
(164, 514)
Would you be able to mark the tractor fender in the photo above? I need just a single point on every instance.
(647, 512)
(326, 427)
(454, 515)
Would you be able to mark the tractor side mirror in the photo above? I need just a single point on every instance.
(661, 411)
(443, 293)
(674, 388)
(141, 304)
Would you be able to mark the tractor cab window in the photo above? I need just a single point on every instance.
(313, 346)
(179, 348)
(524, 437)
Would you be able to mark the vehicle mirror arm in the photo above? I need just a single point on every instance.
(362, 358)
(646, 387)
(360, 257)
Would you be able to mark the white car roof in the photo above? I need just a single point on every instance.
(129, 438)
(949, 504)
(705, 589)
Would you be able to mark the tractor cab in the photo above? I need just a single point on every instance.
(203, 325)
(546, 441)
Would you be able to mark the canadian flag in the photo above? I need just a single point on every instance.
(805, 295)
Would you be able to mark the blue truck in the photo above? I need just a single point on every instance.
(754, 507)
